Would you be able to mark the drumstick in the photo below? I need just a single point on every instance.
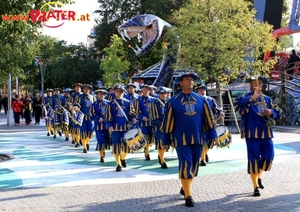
(220, 116)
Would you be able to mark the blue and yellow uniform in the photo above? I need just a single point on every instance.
(216, 110)
(98, 115)
(66, 122)
(187, 117)
(132, 97)
(57, 100)
(48, 102)
(118, 120)
(157, 113)
(75, 99)
(142, 107)
(77, 117)
(86, 101)
(256, 129)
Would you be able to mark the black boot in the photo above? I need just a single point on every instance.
(148, 157)
(59, 133)
(119, 168)
(73, 142)
(260, 184)
(189, 201)
(54, 136)
(256, 192)
(123, 162)
(202, 163)
(102, 159)
(67, 139)
(87, 147)
(84, 151)
(48, 134)
(164, 166)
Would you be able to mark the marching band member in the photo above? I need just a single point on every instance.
(132, 97)
(75, 93)
(86, 131)
(110, 94)
(157, 112)
(139, 92)
(48, 105)
(258, 115)
(152, 91)
(57, 100)
(143, 108)
(77, 118)
(120, 112)
(49, 119)
(186, 116)
(217, 110)
(98, 115)
(66, 101)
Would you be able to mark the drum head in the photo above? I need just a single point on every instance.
(220, 130)
(131, 133)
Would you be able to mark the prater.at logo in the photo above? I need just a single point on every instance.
(51, 18)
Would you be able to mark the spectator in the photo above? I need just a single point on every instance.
(17, 105)
(291, 63)
(37, 109)
(27, 110)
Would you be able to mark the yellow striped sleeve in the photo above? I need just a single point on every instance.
(168, 122)
(208, 117)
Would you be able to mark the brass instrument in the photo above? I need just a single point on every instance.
(270, 121)
(70, 114)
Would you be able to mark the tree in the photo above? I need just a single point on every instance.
(114, 63)
(78, 64)
(219, 37)
(18, 38)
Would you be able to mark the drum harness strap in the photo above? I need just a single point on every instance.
(161, 102)
(122, 111)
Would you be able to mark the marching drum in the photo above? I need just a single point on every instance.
(224, 136)
(135, 140)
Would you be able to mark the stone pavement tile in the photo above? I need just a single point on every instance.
(223, 192)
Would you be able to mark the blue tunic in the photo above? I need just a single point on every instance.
(116, 119)
(253, 124)
(186, 118)
(87, 128)
(260, 150)
(102, 135)
(216, 110)
(157, 113)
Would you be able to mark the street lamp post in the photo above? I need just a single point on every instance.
(42, 70)
(9, 97)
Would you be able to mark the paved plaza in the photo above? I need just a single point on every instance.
(50, 174)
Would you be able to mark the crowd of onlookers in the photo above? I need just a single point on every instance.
(3, 103)
(24, 107)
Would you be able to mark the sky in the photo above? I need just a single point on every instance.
(74, 32)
